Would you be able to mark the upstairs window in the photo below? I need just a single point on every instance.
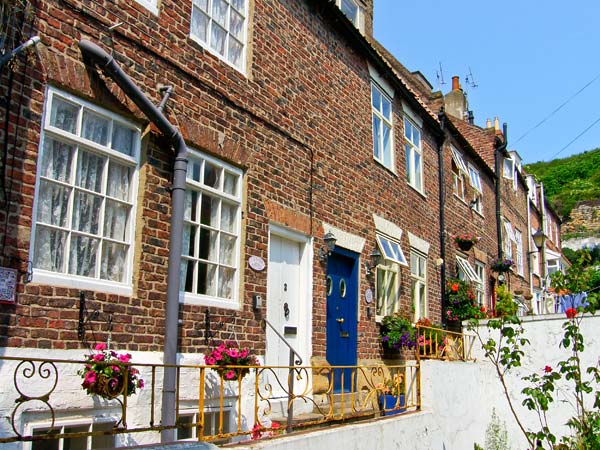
(459, 170)
(507, 239)
(85, 196)
(519, 245)
(221, 26)
(414, 155)
(383, 147)
(211, 234)
(418, 284)
(476, 201)
(352, 10)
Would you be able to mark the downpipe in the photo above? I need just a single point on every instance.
(95, 55)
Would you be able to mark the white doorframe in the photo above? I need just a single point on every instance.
(304, 296)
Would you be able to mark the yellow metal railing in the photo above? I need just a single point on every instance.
(43, 393)
(437, 343)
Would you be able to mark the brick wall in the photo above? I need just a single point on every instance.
(299, 124)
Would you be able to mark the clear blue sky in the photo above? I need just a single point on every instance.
(527, 57)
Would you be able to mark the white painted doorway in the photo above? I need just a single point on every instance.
(289, 287)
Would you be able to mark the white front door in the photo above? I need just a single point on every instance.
(288, 305)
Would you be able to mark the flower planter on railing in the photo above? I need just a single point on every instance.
(392, 404)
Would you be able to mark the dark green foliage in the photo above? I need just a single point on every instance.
(569, 180)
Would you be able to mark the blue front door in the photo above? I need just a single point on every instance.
(342, 314)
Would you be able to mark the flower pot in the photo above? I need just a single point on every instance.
(465, 246)
(388, 404)
(107, 387)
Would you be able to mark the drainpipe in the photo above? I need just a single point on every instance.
(499, 149)
(28, 43)
(442, 197)
(98, 57)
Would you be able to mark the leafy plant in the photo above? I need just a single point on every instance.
(397, 332)
(462, 304)
(505, 304)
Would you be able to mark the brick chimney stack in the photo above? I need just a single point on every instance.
(455, 101)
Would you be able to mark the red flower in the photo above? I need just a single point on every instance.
(571, 313)
(454, 287)
(547, 369)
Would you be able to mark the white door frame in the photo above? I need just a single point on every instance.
(304, 336)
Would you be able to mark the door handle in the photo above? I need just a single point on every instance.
(340, 320)
(286, 310)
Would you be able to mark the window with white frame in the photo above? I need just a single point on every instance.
(383, 146)
(387, 276)
(214, 424)
(475, 180)
(532, 190)
(480, 285)
(211, 235)
(459, 170)
(418, 289)
(519, 245)
(508, 168)
(466, 272)
(221, 27)
(534, 261)
(507, 239)
(387, 289)
(73, 443)
(85, 196)
(552, 265)
(352, 10)
(414, 155)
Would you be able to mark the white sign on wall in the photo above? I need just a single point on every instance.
(8, 285)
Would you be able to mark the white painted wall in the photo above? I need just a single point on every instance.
(457, 399)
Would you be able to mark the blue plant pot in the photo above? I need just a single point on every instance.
(388, 402)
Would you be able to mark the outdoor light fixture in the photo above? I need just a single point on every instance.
(329, 240)
(538, 238)
(501, 279)
(375, 260)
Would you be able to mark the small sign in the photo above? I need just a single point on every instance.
(256, 263)
(8, 285)
(368, 296)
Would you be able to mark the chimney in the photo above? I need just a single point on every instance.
(455, 101)
(496, 124)
(488, 123)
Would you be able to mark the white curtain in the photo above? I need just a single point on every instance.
(113, 262)
(49, 249)
(122, 139)
(95, 127)
(64, 115)
(82, 257)
(89, 171)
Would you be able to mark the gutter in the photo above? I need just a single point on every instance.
(500, 148)
(442, 199)
(95, 55)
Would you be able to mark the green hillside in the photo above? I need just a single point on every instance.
(569, 180)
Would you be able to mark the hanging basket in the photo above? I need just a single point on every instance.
(107, 387)
(465, 246)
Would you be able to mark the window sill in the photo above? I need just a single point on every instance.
(421, 193)
(75, 282)
(389, 169)
(203, 300)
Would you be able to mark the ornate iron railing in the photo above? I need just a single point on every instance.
(437, 343)
(45, 394)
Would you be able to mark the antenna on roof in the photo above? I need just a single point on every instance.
(470, 79)
(440, 77)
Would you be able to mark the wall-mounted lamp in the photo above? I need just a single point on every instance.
(375, 260)
(501, 279)
(329, 240)
(538, 239)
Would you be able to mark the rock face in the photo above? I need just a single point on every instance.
(585, 219)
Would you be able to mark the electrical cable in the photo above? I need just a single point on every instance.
(577, 137)
(558, 108)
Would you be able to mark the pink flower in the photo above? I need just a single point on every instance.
(100, 346)
(221, 347)
(140, 383)
(571, 313)
(115, 368)
(98, 357)
(210, 361)
(232, 352)
(230, 375)
(547, 369)
(125, 358)
(244, 353)
(90, 378)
